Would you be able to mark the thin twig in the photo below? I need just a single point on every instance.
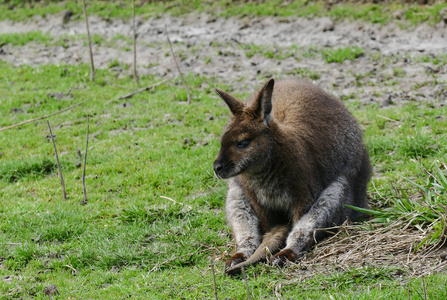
(58, 164)
(134, 45)
(70, 267)
(176, 202)
(178, 67)
(92, 66)
(278, 291)
(388, 119)
(43, 117)
(139, 91)
(425, 288)
(122, 87)
(214, 278)
(96, 144)
(85, 162)
(425, 169)
(377, 191)
(157, 265)
(246, 283)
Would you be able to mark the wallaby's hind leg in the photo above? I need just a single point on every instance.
(326, 212)
(271, 242)
(244, 223)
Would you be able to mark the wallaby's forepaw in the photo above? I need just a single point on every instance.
(234, 260)
(281, 258)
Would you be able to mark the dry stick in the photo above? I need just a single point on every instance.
(134, 45)
(246, 283)
(142, 89)
(172, 259)
(121, 86)
(214, 277)
(278, 291)
(178, 67)
(176, 202)
(139, 91)
(425, 289)
(58, 164)
(92, 66)
(85, 162)
(388, 119)
(43, 117)
(70, 267)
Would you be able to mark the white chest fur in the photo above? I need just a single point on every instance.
(272, 198)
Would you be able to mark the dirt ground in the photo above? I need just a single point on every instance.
(214, 47)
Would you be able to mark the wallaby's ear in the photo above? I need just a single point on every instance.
(263, 101)
(236, 106)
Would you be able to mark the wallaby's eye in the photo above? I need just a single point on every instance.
(243, 143)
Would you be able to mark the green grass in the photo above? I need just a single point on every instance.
(306, 73)
(17, 170)
(412, 14)
(128, 240)
(269, 51)
(440, 60)
(20, 39)
(330, 55)
(425, 210)
(339, 55)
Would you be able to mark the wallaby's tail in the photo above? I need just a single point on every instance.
(272, 242)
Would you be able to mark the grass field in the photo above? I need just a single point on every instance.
(369, 12)
(154, 219)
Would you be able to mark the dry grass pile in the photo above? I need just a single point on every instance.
(354, 246)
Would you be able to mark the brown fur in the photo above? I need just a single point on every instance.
(293, 156)
(271, 243)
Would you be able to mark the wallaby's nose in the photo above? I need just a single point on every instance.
(217, 166)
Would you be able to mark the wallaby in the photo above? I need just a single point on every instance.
(293, 156)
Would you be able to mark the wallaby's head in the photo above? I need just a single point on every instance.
(247, 141)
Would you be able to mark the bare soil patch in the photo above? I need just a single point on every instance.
(397, 66)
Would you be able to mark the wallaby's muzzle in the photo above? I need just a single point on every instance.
(217, 166)
(223, 168)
